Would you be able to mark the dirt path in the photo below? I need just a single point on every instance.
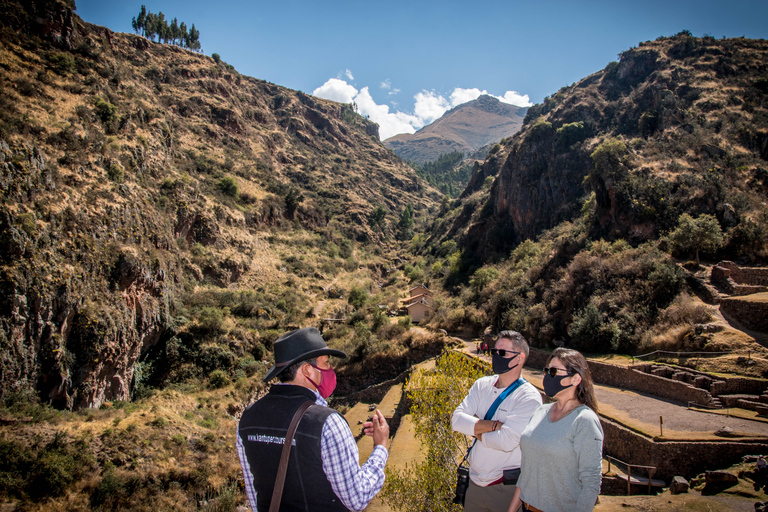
(642, 411)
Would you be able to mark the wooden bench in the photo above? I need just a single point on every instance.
(635, 479)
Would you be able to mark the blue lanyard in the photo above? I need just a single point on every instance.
(496, 403)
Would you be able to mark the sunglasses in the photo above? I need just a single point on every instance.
(553, 371)
(503, 353)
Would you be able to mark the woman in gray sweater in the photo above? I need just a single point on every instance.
(562, 446)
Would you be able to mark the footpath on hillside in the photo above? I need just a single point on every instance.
(642, 412)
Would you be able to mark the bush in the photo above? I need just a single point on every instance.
(571, 133)
(218, 379)
(106, 111)
(62, 63)
(216, 58)
(435, 394)
(591, 332)
(540, 130)
(228, 185)
(115, 172)
(358, 297)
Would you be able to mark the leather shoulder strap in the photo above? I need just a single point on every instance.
(277, 494)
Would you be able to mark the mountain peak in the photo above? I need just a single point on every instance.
(466, 128)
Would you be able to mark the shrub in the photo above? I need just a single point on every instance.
(218, 379)
(358, 297)
(571, 133)
(115, 172)
(405, 322)
(62, 63)
(435, 394)
(540, 130)
(106, 111)
(591, 332)
(228, 185)
(700, 234)
(216, 58)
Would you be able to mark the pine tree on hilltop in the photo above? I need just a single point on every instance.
(149, 25)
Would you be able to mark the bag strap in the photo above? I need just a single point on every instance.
(495, 405)
(282, 469)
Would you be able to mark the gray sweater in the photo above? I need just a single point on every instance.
(561, 461)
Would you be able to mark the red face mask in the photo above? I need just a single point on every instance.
(327, 381)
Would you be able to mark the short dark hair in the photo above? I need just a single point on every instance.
(289, 373)
(517, 340)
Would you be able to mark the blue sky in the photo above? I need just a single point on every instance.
(404, 63)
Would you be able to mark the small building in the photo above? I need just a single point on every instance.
(419, 310)
(419, 290)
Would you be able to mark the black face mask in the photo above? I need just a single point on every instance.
(554, 385)
(501, 364)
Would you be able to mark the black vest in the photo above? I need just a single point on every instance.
(262, 431)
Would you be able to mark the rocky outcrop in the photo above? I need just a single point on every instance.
(78, 307)
(650, 111)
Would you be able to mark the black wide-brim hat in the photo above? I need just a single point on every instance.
(299, 345)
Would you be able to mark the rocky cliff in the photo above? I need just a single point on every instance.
(135, 175)
(678, 125)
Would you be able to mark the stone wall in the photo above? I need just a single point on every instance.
(739, 280)
(635, 379)
(673, 458)
(752, 315)
(739, 386)
(664, 381)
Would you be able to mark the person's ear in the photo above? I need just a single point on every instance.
(576, 379)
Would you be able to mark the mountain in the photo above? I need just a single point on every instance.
(565, 231)
(465, 128)
(163, 217)
(678, 125)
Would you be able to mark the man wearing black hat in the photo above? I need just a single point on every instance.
(323, 470)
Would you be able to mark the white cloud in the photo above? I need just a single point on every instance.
(389, 123)
(336, 90)
(459, 95)
(515, 98)
(348, 74)
(428, 105)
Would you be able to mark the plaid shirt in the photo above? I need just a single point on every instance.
(355, 485)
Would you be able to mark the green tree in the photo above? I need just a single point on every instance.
(174, 31)
(700, 234)
(193, 39)
(228, 185)
(183, 34)
(292, 200)
(405, 224)
(376, 219)
(435, 393)
(139, 22)
(358, 297)
(216, 57)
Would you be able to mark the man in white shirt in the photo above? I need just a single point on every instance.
(495, 455)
